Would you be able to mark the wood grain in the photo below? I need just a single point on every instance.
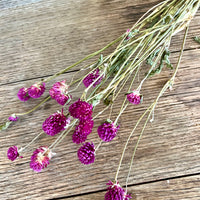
(173, 138)
(38, 38)
(50, 35)
(180, 188)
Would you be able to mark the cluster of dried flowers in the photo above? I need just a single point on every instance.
(147, 41)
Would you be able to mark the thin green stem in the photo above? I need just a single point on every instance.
(100, 112)
(62, 135)
(80, 61)
(23, 148)
(122, 156)
(33, 109)
(181, 52)
(98, 146)
(154, 105)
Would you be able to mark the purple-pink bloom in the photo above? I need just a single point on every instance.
(129, 34)
(13, 153)
(13, 118)
(40, 158)
(55, 123)
(90, 78)
(107, 131)
(83, 129)
(23, 94)
(81, 110)
(85, 126)
(86, 153)
(59, 92)
(116, 192)
(78, 137)
(134, 97)
(36, 90)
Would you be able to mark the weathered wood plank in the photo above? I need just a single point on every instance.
(181, 188)
(169, 148)
(37, 35)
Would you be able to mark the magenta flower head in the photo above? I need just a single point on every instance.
(23, 94)
(40, 158)
(36, 90)
(59, 92)
(92, 77)
(81, 110)
(85, 126)
(86, 153)
(129, 34)
(134, 97)
(13, 118)
(78, 137)
(116, 192)
(107, 131)
(55, 123)
(83, 129)
(13, 153)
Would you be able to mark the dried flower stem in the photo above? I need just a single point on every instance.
(150, 110)
(62, 135)
(35, 138)
(80, 61)
(33, 109)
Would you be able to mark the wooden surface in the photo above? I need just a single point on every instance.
(40, 37)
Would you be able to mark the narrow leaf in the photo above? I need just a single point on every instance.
(5, 125)
(197, 39)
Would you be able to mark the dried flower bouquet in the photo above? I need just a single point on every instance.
(148, 41)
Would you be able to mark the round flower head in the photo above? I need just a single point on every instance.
(90, 78)
(13, 117)
(59, 92)
(23, 94)
(116, 192)
(78, 136)
(107, 131)
(36, 90)
(85, 126)
(86, 153)
(134, 97)
(55, 123)
(40, 158)
(83, 129)
(81, 110)
(13, 153)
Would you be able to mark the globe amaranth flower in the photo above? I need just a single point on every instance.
(13, 153)
(59, 92)
(83, 129)
(134, 97)
(40, 158)
(116, 192)
(36, 90)
(81, 110)
(86, 153)
(107, 131)
(92, 77)
(78, 137)
(23, 94)
(129, 34)
(85, 126)
(55, 123)
(13, 117)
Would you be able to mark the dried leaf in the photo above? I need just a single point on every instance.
(164, 60)
(197, 39)
(5, 125)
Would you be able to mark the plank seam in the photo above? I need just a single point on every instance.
(73, 71)
(131, 185)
